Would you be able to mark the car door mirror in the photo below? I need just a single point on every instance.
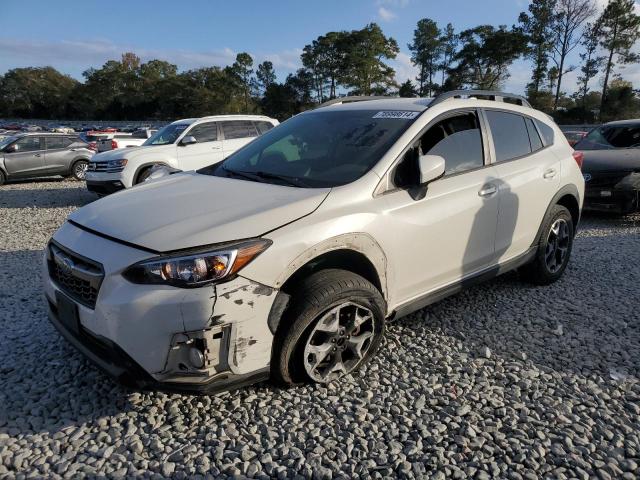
(12, 148)
(188, 140)
(431, 168)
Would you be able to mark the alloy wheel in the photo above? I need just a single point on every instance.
(79, 170)
(339, 341)
(557, 245)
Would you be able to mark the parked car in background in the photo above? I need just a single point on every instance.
(611, 167)
(186, 144)
(26, 155)
(286, 259)
(111, 141)
(574, 136)
(62, 129)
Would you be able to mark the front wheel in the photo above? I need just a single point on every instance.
(3, 178)
(554, 248)
(333, 327)
(79, 168)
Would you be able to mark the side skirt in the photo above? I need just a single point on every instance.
(471, 280)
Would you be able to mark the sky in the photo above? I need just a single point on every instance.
(75, 35)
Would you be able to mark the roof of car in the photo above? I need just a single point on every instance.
(631, 121)
(46, 134)
(391, 103)
(223, 117)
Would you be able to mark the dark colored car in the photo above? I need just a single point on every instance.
(611, 167)
(574, 136)
(27, 155)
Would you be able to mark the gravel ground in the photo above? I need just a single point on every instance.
(501, 381)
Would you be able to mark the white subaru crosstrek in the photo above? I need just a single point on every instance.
(286, 259)
(187, 144)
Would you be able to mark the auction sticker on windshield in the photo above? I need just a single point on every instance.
(396, 114)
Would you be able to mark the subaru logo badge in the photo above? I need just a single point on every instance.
(67, 264)
(587, 176)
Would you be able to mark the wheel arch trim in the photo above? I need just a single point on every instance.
(568, 190)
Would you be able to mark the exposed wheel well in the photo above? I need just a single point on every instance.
(142, 169)
(570, 203)
(343, 259)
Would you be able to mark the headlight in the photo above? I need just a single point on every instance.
(116, 163)
(198, 268)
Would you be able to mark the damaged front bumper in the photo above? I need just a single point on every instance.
(206, 339)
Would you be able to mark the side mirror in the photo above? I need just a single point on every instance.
(12, 148)
(431, 168)
(188, 140)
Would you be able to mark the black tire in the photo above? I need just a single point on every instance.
(3, 177)
(79, 168)
(314, 297)
(540, 270)
(144, 174)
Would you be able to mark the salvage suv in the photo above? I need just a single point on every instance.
(186, 144)
(285, 260)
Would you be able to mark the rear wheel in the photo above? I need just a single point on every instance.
(554, 248)
(333, 327)
(79, 168)
(3, 178)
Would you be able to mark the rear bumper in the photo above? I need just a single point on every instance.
(117, 364)
(603, 199)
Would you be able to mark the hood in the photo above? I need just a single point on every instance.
(130, 152)
(190, 210)
(623, 160)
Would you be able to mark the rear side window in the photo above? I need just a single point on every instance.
(510, 136)
(205, 132)
(263, 127)
(58, 142)
(458, 140)
(546, 131)
(534, 137)
(238, 129)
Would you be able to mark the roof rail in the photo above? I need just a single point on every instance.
(492, 95)
(351, 99)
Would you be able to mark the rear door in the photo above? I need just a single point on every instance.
(206, 151)
(58, 156)
(529, 175)
(28, 159)
(237, 133)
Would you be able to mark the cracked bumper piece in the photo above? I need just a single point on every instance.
(206, 339)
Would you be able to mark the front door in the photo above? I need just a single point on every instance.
(206, 151)
(450, 233)
(27, 159)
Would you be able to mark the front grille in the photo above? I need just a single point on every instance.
(77, 276)
(103, 167)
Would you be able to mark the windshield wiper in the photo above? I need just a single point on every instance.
(259, 175)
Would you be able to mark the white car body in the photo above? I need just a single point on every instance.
(466, 226)
(116, 140)
(106, 174)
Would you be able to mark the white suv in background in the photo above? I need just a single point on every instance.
(186, 144)
(286, 259)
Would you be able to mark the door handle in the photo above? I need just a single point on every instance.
(215, 148)
(550, 173)
(36, 155)
(488, 190)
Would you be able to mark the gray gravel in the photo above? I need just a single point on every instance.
(501, 381)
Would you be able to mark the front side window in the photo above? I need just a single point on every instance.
(316, 149)
(510, 136)
(458, 140)
(205, 132)
(167, 135)
(28, 144)
(611, 136)
(238, 129)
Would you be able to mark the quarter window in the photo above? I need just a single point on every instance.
(510, 136)
(547, 133)
(238, 129)
(534, 137)
(28, 144)
(205, 132)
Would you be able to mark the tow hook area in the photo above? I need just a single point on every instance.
(197, 355)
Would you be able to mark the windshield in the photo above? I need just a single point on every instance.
(611, 136)
(7, 141)
(167, 135)
(318, 149)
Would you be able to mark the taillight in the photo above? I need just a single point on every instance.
(114, 144)
(578, 157)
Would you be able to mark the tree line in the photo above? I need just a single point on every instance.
(548, 35)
